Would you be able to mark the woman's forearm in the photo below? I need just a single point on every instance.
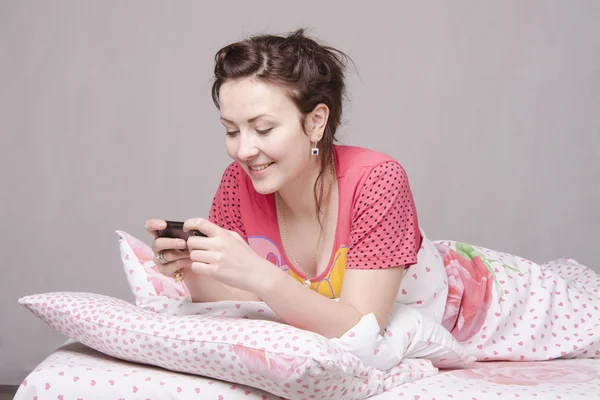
(306, 309)
(204, 289)
(294, 303)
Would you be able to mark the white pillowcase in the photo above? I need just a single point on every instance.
(74, 371)
(409, 334)
(272, 356)
(241, 342)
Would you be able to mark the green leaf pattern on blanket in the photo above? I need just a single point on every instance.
(469, 252)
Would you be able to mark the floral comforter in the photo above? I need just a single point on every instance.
(502, 307)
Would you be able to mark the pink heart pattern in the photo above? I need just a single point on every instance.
(547, 380)
(537, 312)
(254, 349)
(188, 344)
(118, 380)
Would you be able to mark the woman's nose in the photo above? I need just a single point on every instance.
(247, 147)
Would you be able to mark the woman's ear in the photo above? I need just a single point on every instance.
(317, 121)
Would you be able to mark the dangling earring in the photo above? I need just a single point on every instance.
(315, 150)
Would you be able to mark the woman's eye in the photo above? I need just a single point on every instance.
(264, 131)
(232, 133)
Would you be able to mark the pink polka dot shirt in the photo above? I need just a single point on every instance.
(377, 223)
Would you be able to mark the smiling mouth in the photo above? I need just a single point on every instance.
(260, 167)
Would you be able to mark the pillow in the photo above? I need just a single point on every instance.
(422, 337)
(240, 342)
(148, 285)
(74, 371)
(409, 333)
(268, 355)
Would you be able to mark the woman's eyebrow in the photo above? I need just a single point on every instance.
(250, 120)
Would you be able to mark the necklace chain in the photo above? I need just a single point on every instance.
(283, 228)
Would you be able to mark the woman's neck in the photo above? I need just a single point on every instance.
(298, 197)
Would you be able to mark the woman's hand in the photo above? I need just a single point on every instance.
(174, 251)
(223, 255)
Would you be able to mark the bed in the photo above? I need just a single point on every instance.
(75, 371)
(534, 328)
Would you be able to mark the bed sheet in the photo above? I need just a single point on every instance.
(543, 380)
(75, 371)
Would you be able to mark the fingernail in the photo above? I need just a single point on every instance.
(182, 244)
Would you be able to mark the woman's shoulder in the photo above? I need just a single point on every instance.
(233, 169)
(233, 174)
(237, 184)
(359, 160)
(232, 180)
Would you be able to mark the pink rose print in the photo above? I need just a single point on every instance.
(164, 286)
(168, 287)
(469, 293)
(455, 292)
(277, 367)
(530, 373)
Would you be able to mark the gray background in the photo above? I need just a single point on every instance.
(493, 108)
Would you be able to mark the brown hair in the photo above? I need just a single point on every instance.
(310, 73)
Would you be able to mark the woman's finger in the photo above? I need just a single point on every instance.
(160, 244)
(204, 269)
(170, 256)
(202, 256)
(154, 225)
(172, 267)
(201, 243)
(208, 228)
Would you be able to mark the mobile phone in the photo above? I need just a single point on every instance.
(174, 229)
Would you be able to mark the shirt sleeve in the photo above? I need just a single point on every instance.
(226, 207)
(385, 230)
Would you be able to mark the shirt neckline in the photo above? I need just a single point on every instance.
(334, 249)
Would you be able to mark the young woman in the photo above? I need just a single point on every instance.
(298, 220)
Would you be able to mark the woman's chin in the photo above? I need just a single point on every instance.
(263, 188)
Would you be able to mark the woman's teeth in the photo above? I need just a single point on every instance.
(260, 167)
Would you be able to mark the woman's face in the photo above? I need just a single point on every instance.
(264, 133)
